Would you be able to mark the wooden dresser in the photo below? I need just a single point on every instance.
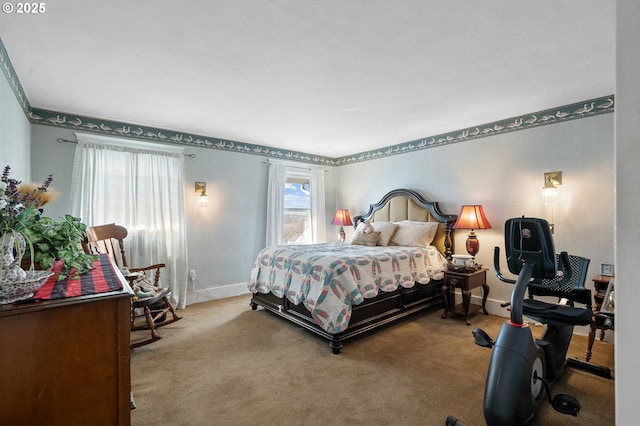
(66, 361)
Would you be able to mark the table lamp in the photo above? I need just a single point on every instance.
(472, 217)
(341, 219)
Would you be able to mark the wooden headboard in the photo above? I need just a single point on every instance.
(405, 204)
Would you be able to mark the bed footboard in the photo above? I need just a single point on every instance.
(373, 313)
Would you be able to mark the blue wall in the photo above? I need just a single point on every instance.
(15, 129)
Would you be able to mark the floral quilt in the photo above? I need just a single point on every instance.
(330, 278)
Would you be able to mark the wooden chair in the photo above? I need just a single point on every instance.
(109, 239)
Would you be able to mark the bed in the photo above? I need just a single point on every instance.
(341, 290)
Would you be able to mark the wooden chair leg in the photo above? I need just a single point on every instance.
(153, 322)
(170, 307)
(174, 316)
(150, 326)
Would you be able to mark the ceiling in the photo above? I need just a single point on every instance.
(331, 77)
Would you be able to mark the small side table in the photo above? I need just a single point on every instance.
(465, 281)
(602, 321)
(600, 284)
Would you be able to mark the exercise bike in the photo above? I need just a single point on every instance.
(522, 369)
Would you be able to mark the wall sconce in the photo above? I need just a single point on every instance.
(550, 192)
(550, 189)
(201, 188)
(342, 218)
(472, 217)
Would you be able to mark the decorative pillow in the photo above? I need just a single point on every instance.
(412, 233)
(386, 229)
(362, 239)
(357, 231)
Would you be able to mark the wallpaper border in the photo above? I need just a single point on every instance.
(12, 79)
(584, 109)
(577, 110)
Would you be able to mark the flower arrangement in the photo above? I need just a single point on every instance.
(21, 204)
(49, 239)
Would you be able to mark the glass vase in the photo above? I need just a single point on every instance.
(12, 246)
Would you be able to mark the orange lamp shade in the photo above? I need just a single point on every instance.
(472, 217)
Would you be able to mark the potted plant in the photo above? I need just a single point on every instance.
(60, 239)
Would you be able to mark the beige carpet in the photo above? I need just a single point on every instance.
(224, 364)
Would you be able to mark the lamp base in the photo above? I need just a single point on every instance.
(472, 244)
(341, 235)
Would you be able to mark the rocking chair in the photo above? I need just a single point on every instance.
(109, 239)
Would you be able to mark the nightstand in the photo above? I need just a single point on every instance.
(465, 281)
(600, 284)
(602, 321)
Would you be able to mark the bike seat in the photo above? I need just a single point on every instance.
(554, 314)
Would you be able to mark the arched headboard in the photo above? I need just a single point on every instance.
(406, 204)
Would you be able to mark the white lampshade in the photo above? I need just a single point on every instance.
(549, 195)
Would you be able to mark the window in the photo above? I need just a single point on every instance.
(295, 204)
(297, 209)
(137, 185)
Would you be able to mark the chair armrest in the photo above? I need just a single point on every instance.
(156, 267)
(148, 268)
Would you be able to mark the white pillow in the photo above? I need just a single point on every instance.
(413, 233)
(387, 230)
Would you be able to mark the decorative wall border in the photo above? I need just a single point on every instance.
(128, 130)
(12, 79)
(584, 109)
(573, 111)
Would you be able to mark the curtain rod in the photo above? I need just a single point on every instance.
(61, 140)
(291, 166)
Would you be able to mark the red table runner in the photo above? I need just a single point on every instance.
(101, 279)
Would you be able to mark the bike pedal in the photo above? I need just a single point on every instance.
(566, 404)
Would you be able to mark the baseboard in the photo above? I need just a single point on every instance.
(214, 293)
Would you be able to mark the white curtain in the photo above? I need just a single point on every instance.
(275, 202)
(142, 190)
(318, 216)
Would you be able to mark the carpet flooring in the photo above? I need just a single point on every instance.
(224, 364)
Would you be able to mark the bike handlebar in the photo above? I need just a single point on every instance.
(496, 266)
